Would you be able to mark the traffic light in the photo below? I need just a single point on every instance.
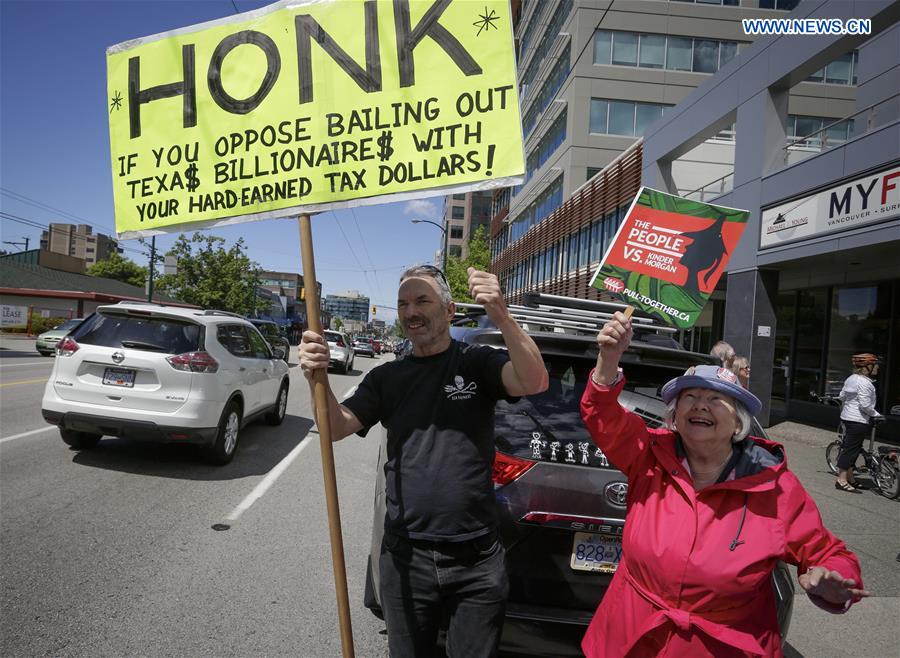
(373, 310)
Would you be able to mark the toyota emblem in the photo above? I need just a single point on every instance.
(118, 357)
(616, 493)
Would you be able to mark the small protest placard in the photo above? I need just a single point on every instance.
(668, 255)
(309, 105)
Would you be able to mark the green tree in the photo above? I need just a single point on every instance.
(337, 322)
(212, 276)
(398, 329)
(456, 268)
(117, 267)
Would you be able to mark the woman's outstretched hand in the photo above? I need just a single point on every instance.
(830, 585)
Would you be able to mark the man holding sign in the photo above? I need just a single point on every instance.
(441, 553)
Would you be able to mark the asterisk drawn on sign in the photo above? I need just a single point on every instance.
(487, 21)
(116, 103)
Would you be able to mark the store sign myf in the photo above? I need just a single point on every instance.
(867, 200)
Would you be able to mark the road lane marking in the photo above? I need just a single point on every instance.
(24, 434)
(25, 381)
(265, 484)
(32, 364)
(260, 489)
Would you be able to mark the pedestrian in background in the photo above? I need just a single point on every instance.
(441, 554)
(741, 368)
(724, 353)
(857, 411)
(710, 514)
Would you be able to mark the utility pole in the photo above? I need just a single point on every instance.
(17, 244)
(152, 268)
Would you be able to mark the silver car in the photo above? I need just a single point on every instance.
(341, 351)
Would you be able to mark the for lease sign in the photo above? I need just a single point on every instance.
(865, 200)
(307, 105)
(13, 317)
(668, 255)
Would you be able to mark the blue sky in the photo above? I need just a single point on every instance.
(54, 147)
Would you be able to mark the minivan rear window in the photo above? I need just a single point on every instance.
(152, 334)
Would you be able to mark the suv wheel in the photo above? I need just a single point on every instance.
(223, 449)
(79, 440)
(276, 416)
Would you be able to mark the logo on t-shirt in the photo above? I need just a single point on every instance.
(459, 390)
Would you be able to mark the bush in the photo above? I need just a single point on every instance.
(40, 324)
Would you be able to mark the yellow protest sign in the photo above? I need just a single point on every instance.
(304, 106)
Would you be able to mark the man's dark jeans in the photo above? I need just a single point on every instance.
(423, 581)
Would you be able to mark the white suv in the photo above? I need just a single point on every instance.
(165, 374)
(340, 350)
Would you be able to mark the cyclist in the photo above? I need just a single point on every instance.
(858, 398)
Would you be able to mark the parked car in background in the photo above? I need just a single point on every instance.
(164, 374)
(46, 342)
(561, 504)
(273, 334)
(340, 351)
(364, 347)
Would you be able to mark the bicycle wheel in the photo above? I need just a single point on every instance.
(887, 479)
(831, 455)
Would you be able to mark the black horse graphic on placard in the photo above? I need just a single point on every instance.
(704, 254)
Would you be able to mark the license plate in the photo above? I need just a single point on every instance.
(118, 377)
(593, 552)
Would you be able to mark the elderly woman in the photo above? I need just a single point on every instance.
(710, 513)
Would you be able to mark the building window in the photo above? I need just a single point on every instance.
(726, 3)
(545, 148)
(782, 5)
(455, 250)
(459, 197)
(592, 171)
(679, 54)
(560, 14)
(458, 212)
(841, 71)
(553, 84)
(658, 51)
(623, 117)
(803, 126)
(456, 232)
(625, 48)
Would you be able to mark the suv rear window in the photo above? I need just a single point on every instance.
(332, 337)
(530, 427)
(164, 335)
(548, 426)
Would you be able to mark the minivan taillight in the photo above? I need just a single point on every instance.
(507, 468)
(66, 347)
(193, 362)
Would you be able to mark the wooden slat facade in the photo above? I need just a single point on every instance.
(616, 185)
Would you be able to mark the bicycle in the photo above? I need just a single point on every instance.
(882, 468)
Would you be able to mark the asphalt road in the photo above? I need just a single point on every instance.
(111, 552)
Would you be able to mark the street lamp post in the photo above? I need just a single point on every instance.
(444, 231)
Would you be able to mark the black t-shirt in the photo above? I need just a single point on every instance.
(439, 414)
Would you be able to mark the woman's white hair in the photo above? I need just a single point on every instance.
(744, 419)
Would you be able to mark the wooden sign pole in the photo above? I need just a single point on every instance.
(320, 379)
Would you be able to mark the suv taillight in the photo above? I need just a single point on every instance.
(193, 362)
(66, 347)
(507, 468)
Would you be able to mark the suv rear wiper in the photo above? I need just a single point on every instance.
(537, 423)
(142, 345)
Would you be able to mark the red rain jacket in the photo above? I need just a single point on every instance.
(695, 577)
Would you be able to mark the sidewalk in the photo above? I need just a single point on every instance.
(790, 431)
